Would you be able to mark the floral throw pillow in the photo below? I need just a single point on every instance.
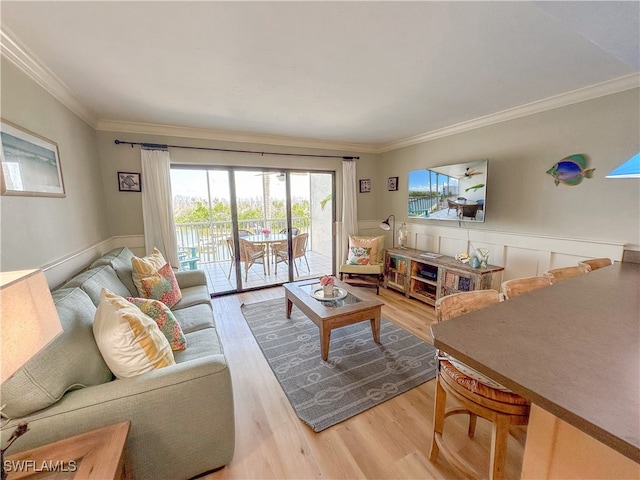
(165, 319)
(161, 285)
(359, 256)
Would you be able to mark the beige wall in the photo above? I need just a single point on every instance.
(37, 231)
(124, 158)
(521, 197)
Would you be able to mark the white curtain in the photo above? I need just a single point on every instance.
(349, 205)
(157, 205)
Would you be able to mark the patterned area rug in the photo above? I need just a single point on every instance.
(359, 374)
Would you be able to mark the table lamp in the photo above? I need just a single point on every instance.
(29, 323)
(384, 225)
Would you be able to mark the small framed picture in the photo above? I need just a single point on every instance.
(392, 184)
(365, 185)
(129, 182)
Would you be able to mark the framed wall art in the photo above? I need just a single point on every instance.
(365, 185)
(129, 182)
(30, 163)
(392, 184)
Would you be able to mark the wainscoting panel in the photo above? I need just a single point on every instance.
(60, 271)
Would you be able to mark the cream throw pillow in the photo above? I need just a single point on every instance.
(146, 266)
(130, 341)
(376, 244)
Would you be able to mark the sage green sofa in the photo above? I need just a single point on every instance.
(182, 416)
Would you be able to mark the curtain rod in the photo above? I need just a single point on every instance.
(164, 147)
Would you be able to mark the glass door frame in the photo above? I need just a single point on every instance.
(231, 171)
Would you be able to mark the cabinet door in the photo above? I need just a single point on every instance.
(396, 271)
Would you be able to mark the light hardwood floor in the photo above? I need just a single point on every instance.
(390, 441)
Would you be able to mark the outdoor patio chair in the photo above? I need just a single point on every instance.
(250, 253)
(294, 231)
(299, 248)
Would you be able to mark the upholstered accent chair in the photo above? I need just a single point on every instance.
(365, 262)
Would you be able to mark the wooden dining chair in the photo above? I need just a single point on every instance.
(518, 286)
(475, 394)
(558, 274)
(596, 263)
(250, 254)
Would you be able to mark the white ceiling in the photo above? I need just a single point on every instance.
(370, 73)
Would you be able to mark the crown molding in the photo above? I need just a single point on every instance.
(19, 55)
(14, 51)
(591, 92)
(229, 136)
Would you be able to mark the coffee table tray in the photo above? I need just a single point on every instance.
(338, 293)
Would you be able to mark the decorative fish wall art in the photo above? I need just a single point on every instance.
(571, 170)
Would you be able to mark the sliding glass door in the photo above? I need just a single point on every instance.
(251, 228)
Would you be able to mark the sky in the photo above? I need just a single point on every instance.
(419, 180)
(193, 183)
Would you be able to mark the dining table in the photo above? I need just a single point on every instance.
(573, 350)
(268, 240)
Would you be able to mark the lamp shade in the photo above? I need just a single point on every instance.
(385, 225)
(629, 169)
(28, 318)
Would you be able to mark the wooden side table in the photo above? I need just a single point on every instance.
(95, 455)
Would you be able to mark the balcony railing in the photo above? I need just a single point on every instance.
(210, 238)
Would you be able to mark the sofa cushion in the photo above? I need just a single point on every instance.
(130, 341)
(195, 318)
(201, 343)
(70, 362)
(120, 260)
(164, 318)
(92, 281)
(193, 296)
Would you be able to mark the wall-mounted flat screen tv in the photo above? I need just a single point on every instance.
(450, 192)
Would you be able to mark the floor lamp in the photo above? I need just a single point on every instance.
(384, 225)
(29, 323)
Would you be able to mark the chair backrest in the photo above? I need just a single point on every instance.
(452, 306)
(469, 210)
(230, 248)
(518, 286)
(558, 274)
(300, 245)
(451, 203)
(596, 263)
(294, 231)
(248, 249)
